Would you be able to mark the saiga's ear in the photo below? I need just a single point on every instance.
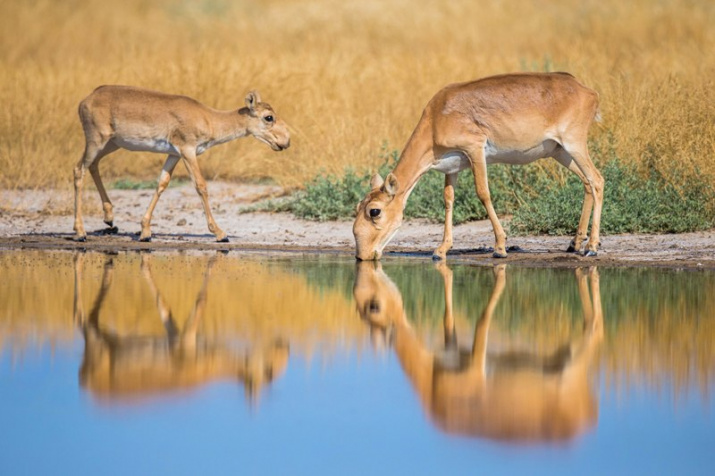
(376, 181)
(391, 185)
(252, 99)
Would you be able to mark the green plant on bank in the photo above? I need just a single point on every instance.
(632, 204)
(541, 200)
(132, 184)
(329, 197)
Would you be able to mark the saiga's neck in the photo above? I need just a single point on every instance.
(228, 125)
(416, 159)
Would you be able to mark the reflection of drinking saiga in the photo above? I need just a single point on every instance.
(518, 396)
(122, 367)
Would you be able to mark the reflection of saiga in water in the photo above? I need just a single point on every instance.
(513, 395)
(133, 366)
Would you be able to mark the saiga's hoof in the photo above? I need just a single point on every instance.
(80, 239)
(223, 240)
(496, 254)
(146, 239)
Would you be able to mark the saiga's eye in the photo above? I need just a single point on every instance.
(374, 212)
(268, 118)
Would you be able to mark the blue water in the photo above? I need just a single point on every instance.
(353, 413)
(350, 417)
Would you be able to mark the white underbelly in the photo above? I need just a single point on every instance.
(456, 161)
(495, 155)
(451, 163)
(161, 146)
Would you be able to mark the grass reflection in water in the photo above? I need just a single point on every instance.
(161, 323)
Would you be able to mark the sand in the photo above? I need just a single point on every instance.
(43, 219)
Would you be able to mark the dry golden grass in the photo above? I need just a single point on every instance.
(348, 76)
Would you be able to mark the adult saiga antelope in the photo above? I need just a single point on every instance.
(135, 119)
(509, 119)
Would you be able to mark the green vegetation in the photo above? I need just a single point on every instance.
(633, 203)
(329, 197)
(132, 184)
(541, 198)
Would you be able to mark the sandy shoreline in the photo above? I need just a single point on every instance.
(43, 220)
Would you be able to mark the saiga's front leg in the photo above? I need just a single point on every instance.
(449, 182)
(479, 168)
(164, 179)
(192, 166)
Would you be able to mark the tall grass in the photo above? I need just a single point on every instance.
(347, 76)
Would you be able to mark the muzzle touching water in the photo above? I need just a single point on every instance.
(376, 253)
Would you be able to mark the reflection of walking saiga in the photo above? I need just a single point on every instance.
(133, 366)
(516, 396)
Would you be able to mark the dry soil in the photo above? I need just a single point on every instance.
(43, 220)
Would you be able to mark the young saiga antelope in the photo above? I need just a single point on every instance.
(510, 119)
(135, 119)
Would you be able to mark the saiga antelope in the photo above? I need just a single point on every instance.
(135, 119)
(511, 395)
(123, 367)
(509, 119)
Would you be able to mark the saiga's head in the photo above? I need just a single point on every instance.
(264, 124)
(379, 216)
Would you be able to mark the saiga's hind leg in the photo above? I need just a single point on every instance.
(93, 152)
(106, 203)
(578, 150)
(565, 159)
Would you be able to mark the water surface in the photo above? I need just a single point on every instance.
(200, 362)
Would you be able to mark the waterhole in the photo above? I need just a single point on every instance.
(256, 363)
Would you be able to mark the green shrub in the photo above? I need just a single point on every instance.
(331, 198)
(328, 197)
(131, 184)
(541, 201)
(509, 187)
(632, 204)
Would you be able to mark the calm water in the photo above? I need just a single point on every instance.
(245, 363)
